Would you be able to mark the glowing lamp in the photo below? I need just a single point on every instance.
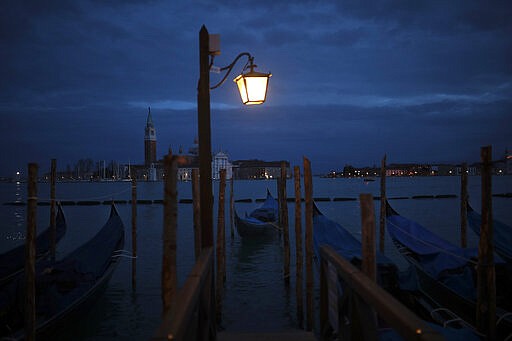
(253, 87)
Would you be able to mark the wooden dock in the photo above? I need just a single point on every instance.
(296, 335)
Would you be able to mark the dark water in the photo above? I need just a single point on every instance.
(255, 296)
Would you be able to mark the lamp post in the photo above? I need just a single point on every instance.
(253, 88)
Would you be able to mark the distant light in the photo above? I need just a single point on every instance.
(18, 173)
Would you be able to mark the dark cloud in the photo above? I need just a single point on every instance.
(421, 80)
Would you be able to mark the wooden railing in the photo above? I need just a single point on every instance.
(192, 315)
(353, 310)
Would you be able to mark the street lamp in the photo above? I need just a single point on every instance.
(253, 90)
(252, 85)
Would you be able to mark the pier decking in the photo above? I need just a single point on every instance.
(296, 335)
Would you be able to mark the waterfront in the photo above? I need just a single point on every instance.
(255, 296)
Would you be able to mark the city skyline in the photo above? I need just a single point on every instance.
(423, 82)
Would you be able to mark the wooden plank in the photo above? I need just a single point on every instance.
(401, 319)
(178, 319)
(294, 335)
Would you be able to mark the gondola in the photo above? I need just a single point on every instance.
(446, 272)
(12, 262)
(65, 288)
(502, 234)
(260, 223)
(328, 232)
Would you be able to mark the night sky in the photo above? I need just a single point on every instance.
(420, 81)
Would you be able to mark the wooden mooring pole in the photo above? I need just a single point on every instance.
(298, 248)
(204, 135)
(368, 265)
(232, 208)
(382, 230)
(53, 222)
(134, 233)
(308, 193)
(197, 214)
(221, 242)
(486, 277)
(30, 254)
(463, 205)
(169, 276)
(284, 224)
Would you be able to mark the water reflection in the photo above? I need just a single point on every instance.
(256, 297)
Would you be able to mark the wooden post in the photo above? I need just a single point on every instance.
(197, 212)
(463, 205)
(204, 135)
(279, 205)
(221, 242)
(232, 208)
(284, 225)
(298, 247)
(308, 192)
(169, 276)
(486, 277)
(324, 302)
(382, 231)
(30, 254)
(368, 265)
(223, 180)
(134, 232)
(53, 223)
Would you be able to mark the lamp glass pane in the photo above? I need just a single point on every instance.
(240, 82)
(256, 88)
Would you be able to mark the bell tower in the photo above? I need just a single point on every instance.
(149, 141)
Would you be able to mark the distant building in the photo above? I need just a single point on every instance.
(352, 172)
(395, 171)
(149, 142)
(508, 162)
(408, 169)
(221, 161)
(258, 169)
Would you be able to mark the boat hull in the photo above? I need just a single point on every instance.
(50, 328)
(67, 288)
(249, 230)
(447, 289)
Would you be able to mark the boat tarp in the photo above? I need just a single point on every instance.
(254, 221)
(435, 253)
(502, 233)
(268, 211)
(328, 232)
(465, 334)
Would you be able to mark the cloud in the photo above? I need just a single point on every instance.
(349, 78)
(179, 105)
